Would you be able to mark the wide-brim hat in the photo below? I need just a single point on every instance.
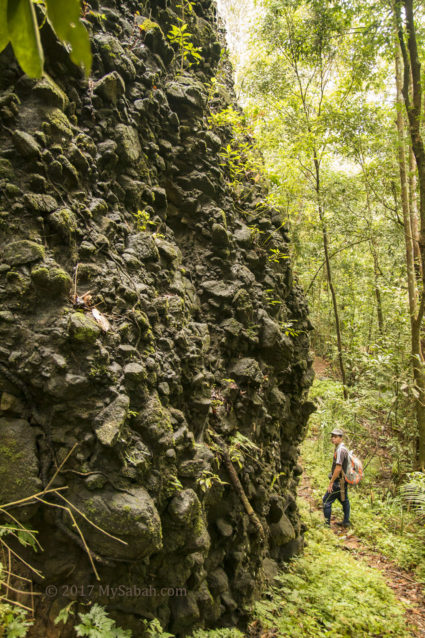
(337, 432)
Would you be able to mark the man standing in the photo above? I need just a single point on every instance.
(337, 488)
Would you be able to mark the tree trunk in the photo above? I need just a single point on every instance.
(413, 210)
(376, 270)
(378, 293)
(409, 90)
(329, 277)
(408, 238)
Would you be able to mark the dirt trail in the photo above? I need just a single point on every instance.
(401, 581)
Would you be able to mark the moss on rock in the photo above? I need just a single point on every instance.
(18, 460)
(23, 252)
(82, 329)
(54, 279)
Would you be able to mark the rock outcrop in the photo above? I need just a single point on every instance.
(143, 321)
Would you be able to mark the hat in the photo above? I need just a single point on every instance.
(337, 432)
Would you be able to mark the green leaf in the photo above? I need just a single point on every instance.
(24, 36)
(64, 614)
(17, 629)
(27, 538)
(64, 16)
(4, 34)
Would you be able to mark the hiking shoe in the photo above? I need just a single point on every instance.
(342, 524)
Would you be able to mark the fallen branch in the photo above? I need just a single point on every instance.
(237, 485)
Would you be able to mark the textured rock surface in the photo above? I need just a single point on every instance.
(121, 175)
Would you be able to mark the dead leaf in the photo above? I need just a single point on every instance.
(101, 320)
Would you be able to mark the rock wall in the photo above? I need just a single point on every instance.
(114, 200)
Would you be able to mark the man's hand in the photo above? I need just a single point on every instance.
(330, 488)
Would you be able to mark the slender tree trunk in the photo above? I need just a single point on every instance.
(409, 90)
(408, 238)
(329, 277)
(378, 292)
(413, 210)
(376, 270)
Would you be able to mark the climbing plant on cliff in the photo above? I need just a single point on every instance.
(20, 26)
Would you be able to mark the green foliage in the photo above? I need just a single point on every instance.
(275, 255)
(327, 593)
(148, 25)
(218, 633)
(96, 624)
(21, 29)
(13, 621)
(270, 298)
(288, 328)
(19, 26)
(26, 537)
(188, 52)
(208, 479)
(240, 157)
(65, 613)
(143, 220)
(182, 38)
(64, 15)
(154, 629)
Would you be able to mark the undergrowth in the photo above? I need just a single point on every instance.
(326, 592)
(378, 513)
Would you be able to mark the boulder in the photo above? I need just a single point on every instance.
(110, 420)
(82, 329)
(248, 371)
(111, 87)
(23, 252)
(131, 516)
(282, 532)
(26, 145)
(129, 148)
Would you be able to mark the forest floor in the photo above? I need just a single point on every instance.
(402, 582)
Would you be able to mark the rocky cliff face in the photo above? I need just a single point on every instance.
(183, 401)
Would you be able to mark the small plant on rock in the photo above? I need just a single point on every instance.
(276, 255)
(143, 220)
(154, 629)
(207, 479)
(13, 621)
(94, 624)
(187, 51)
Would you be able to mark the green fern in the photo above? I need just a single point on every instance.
(413, 492)
(154, 629)
(96, 624)
(13, 621)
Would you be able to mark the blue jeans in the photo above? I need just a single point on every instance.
(331, 497)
